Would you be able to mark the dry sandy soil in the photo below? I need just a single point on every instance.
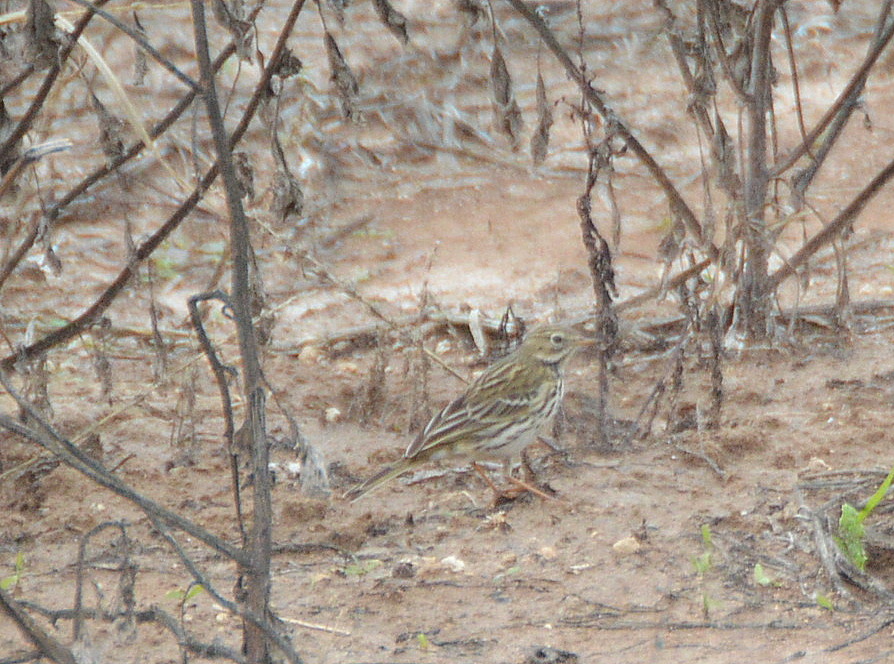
(649, 552)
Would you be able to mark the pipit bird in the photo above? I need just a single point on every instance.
(499, 414)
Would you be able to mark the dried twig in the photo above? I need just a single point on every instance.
(45, 642)
(47, 437)
(677, 203)
(833, 229)
(24, 125)
(85, 319)
(222, 373)
(850, 92)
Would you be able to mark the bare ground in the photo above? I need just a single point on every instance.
(617, 569)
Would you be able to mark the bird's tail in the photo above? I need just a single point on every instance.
(382, 477)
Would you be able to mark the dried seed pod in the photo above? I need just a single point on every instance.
(342, 77)
(140, 63)
(499, 78)
(540, 138)
(230, 15)
(40, 34)
(507, 114)
(287, 195)
(289, 65)
(393, 19)
(111, 130)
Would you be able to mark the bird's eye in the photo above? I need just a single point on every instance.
(557, 338)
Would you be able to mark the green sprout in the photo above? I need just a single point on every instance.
(851, 533)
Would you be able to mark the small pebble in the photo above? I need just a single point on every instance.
(627, 546)
(454, 564)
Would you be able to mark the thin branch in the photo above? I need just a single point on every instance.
(32, 154)
(220, 371)
(677, 203)
(657, 291)
(142, 42)
(151, 615)
(257, 573)
(40, 97)
(264, 625)
(73, 328)
(793, 69)
(78, 622)
(76, 326)
(803, 179)
(712, 9)
(17, 80)
(848, 95)
(106, 169)
(699, 91)
(833, 229)
(45, 642)
(50, 440)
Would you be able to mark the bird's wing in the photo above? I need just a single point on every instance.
(479, 413)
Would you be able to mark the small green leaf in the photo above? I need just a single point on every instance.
(707, 538)
(877, 497)
(851, 535)
(762, 579)
(825, 602)
(423, 641)
(709, 603)
(702, 563)
(361, 568)
(8, 582)
(182, 595)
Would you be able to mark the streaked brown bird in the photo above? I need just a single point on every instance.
(499, 414)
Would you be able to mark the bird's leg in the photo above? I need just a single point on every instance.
(529, 485)
(478, 469)
(530, 477)
(525, 487)
(502, 495)
(528, 472)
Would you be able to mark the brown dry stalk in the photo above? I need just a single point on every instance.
(24, 125)
(45, 642)
(677, 202)
(92, 313)
(833, 229)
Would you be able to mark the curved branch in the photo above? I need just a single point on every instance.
(677, 203)
(76, 326)
(846, 101)
(74, 457)
(31, 114)
(836, 226)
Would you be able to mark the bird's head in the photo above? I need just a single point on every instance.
(553, 344)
